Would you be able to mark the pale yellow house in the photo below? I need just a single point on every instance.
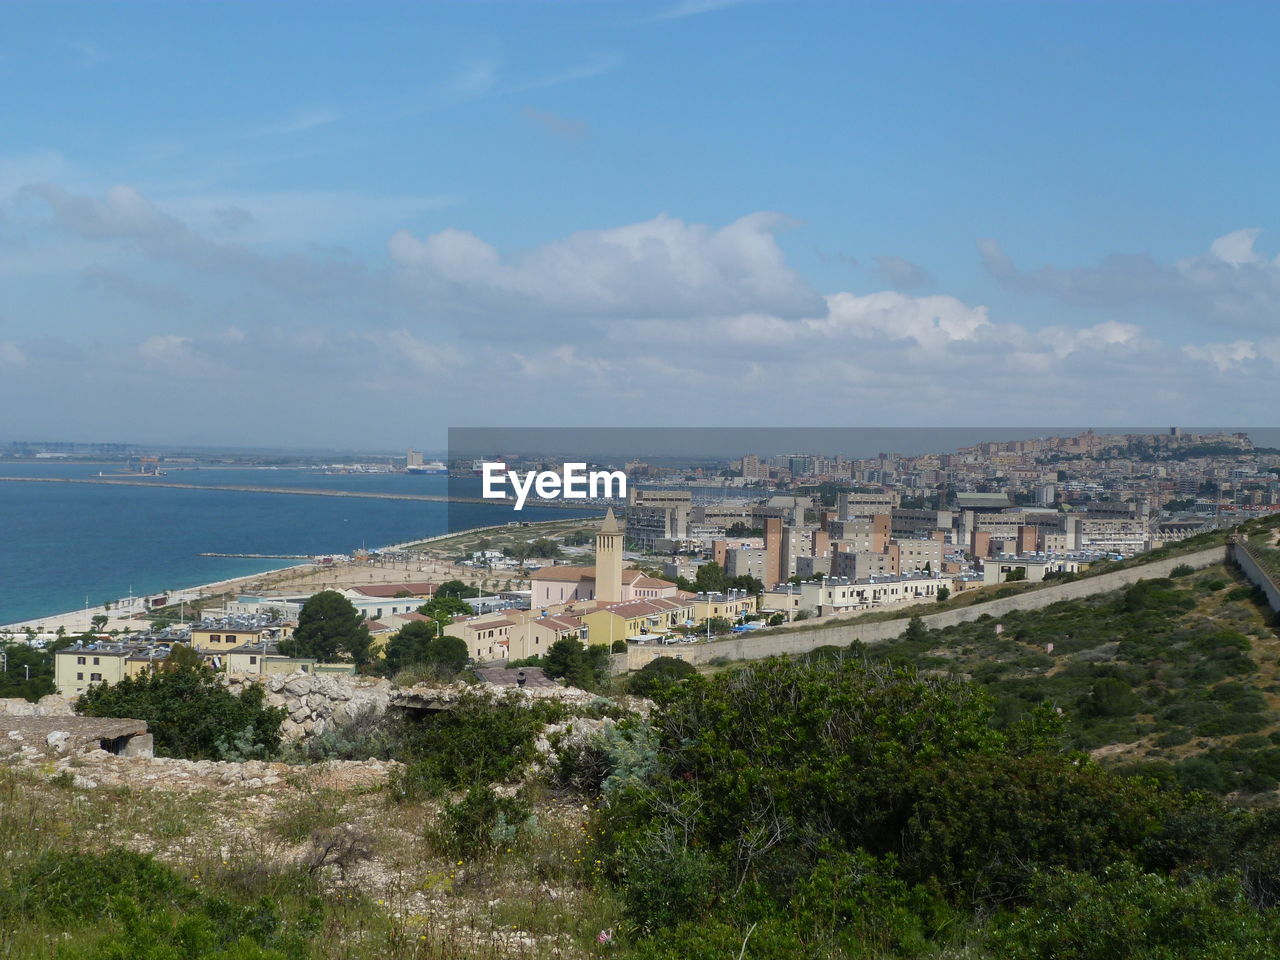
(262, 658)
(620, 621)
(534, 637)
(77, 668)
(216, 637)
(487, 637)
(726, 606)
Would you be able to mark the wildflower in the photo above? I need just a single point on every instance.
(605, 936)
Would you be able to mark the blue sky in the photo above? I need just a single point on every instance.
(681, 212)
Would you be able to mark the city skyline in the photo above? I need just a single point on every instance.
(669, 213)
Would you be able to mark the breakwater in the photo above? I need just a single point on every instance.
(302, 491)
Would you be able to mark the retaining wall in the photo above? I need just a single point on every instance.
(1252, 569)
(767, 644)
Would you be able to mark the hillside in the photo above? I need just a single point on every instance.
(1181, 675)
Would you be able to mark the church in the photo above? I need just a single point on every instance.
(606, 582)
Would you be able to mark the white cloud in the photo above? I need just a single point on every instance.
(1224, 357)
(1230, 282)
(662, 267)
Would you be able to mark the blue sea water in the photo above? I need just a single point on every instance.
(62, 545)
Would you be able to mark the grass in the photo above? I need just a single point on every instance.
(400, 901)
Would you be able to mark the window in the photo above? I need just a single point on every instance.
(80, 676)
(95, 676)
(80, 661)
(95, 661)
(215, 637)
(253, 661)
(230, 638)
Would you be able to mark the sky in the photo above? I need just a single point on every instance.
(359, 224)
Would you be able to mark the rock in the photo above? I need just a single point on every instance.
(58, 741)
(52, 705)
(17, 707)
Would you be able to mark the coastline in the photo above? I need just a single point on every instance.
(81, 620)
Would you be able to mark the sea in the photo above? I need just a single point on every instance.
(67, 545)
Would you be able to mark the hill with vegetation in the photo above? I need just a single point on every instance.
(1180, 675)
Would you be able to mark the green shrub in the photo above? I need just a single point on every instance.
(191, 714)
(67, 885)
(657, 674)
(1130, 915)
(477, 741)
(481, 822)
(665, 881)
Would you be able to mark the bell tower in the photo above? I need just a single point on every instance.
(609, 560)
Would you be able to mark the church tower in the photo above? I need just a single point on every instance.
(609, 560)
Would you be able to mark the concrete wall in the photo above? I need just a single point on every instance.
(768, 644)
(1241, 554)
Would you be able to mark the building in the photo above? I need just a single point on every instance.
(534, 637)
(605, 581)
(637, 619)
(213, 638)
(264, 658)
(840, 595)
(1033, 568)
(79, 667)
(657, 519)
(725, 606)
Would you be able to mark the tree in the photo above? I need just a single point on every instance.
(916, 630)
(1016, 574)
(417, 644)
(99, 621)
(710, 578)
(456, 589)
(658, 673)
(329, 626)
(182, 656)
(28, 671)
(583, 667)
(445, 608)
(191, 714)
(777, 620)
(943, 593)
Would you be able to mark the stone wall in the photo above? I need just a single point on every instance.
(318, 703)
(1252, 569)
(767, 644)
(50, 705)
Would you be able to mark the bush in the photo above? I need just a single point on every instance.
(657, 674)
(191, 714)
(1130, 915)
(481, 822)
(665, 881)
(66, 885)
(479, 741)
(1182, 570)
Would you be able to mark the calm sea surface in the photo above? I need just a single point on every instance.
(64, 544)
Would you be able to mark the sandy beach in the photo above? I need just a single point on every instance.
(301, 578)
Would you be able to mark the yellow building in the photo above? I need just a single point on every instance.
(728, 606)
(263, 658)
(77, 668)
(535, 635)
(619, 621)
